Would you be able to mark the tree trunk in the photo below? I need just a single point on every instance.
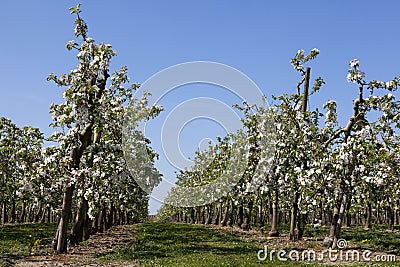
(208, 215)
(13, 212)
(61, 234)
(49, 217)
(336, 225)
(4, 213)
(22, 217)
(260, 217)
(81, 217)
(110, 220)
(226, 214)
(192, 219)
(239, 221)
(275, 213)
(38, 213)
(198, 215)
(247, 215)
(294, 231)
(231, 213)
(103, 218)
(348, 215)
(390, 218)
(43, 216)
(368, 216)
(216, 214)
(270, 210)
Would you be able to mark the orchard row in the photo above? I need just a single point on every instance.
(302, 167)
(82, 177)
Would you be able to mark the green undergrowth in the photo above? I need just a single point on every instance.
(20, 240)
(173, 244)
(170, 244)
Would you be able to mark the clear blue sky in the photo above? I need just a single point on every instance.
(255, 37)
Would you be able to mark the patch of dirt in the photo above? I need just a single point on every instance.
(87, 254)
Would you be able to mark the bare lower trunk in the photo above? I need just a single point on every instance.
(294, 231)
(203, 215)
(216, 215)
(80, 220)
(198, 215)
(43, 216)
(208, 215)
(22, 217)
(239, 221)
(226, 214)
(336, 225)
(348, 215)
(270, 210)
(368, 216)
(390, 218)
(103, 218)
(38, 213)
(231, 212)
(4, 213)
(192, 219)
(61, 234)
(95, 225)
(49, 217)
(274, 220)
(260, 217)
(13, 213)
(247, 216)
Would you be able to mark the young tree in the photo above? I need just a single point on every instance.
(357, 145)
(90, 109)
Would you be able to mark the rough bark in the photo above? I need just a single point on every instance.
(198, 215)
(216, 215)
(60, 239)
(81, 217)
(110, 218)
(239, 221)
(260, 216)
(208, 215)
(22, 217)
(192, 219)
(102, 219)
(231, 213)
(38, 213)
(348, 214)
(225, 217)
(294, 231)
(4, 213)
(13, 214)
(247, 215)
(336, 225)
(275, 213)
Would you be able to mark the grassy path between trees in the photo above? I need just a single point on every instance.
(170, 244)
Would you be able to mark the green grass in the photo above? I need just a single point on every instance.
(20, 240)
(378, 239)
(171, 244)
(168, 244)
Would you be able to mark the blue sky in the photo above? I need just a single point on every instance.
(255, 37)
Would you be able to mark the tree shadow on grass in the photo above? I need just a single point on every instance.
(8, 259)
